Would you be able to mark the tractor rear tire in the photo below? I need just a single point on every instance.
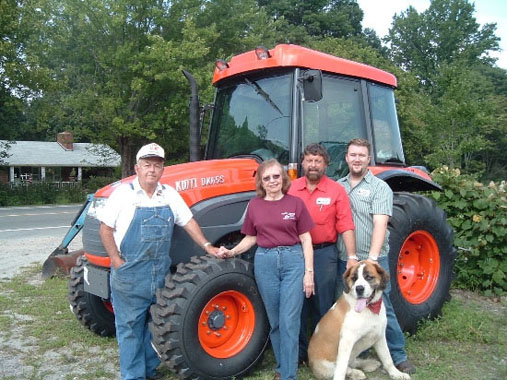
(421, 259)
(209, 321)
(93, 312)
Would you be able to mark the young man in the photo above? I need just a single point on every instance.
(371, 200)
(136, 229)
(329, 207)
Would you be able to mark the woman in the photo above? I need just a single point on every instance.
(279, 224)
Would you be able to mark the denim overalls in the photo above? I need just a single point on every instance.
(145, 249)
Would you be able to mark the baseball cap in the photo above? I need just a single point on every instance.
(151, 150)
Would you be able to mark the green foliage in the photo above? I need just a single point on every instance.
(40, 194)
(478, 214)
(457, 119)
(94, 183)
(453, 116)
(446, 32)
(302, 20)
(51, 193)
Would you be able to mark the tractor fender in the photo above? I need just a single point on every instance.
(405, 179)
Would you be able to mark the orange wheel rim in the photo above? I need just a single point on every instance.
(226, 324)
(418, 267)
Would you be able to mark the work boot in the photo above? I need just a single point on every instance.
(157, 376)
(406, 367)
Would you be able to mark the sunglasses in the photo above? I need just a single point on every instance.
(270, 177)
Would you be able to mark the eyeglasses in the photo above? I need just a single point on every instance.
(270, 177)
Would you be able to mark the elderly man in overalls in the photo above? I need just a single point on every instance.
(136, 229)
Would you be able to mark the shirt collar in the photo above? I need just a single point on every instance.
(138, 189)
(303, 184)
(367, 178)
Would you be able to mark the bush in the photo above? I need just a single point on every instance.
(50, 193)
(478, 214)
(94, 183)
(40, 194)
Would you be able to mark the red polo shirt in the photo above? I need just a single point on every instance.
(329, 207)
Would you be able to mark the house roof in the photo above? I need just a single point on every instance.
(44, 153)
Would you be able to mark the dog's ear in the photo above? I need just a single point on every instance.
(384, 276)
(346, 287)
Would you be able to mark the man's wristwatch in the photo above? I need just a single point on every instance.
(353, 258)
(370, 257)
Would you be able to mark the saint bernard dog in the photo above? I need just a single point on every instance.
(356, 322)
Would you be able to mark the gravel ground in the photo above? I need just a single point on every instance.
(15, 347)
(19, 252)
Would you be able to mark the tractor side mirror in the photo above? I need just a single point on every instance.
(312, 85)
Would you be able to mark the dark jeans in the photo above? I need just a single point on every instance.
(325, 266)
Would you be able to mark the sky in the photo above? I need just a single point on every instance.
(378, 15)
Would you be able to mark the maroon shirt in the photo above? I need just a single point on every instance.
(277, 223)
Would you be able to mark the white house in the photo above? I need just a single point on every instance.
(59, 161)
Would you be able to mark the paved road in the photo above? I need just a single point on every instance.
(29, 234)
(36, 220)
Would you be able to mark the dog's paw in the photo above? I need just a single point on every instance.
(400, 376)
(355, 374)
(367, 365)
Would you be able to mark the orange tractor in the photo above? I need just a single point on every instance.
(209, 320)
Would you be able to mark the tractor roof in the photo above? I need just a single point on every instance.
(298, 56)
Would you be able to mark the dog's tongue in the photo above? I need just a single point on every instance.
(360, 305)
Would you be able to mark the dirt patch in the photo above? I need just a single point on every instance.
(496, 305)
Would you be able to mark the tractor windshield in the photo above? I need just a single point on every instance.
(335, 119)
(340, 116)
(252, 117)
(386, 133)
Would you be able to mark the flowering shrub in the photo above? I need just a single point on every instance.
(478, 214)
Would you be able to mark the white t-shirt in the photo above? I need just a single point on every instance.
(121, 206)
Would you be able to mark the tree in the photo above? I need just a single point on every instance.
(493, 87)
(316, 18)
(115, 66)
(455, 122)
(447, 31)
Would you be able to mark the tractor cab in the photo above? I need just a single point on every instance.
(275, 113)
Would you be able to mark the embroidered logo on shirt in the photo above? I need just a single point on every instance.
(363, 192)
(288, 215)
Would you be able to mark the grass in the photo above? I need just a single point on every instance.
(41, 339)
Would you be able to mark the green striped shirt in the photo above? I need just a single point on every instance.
(371, 196)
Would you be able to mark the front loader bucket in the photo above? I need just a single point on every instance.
(60, 262)
(60, 259)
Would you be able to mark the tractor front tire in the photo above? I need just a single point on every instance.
(92, 311)
(209, 321)
(421, 259)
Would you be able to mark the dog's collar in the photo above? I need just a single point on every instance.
(375, 306)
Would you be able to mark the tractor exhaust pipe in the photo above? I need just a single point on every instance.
(195, 133)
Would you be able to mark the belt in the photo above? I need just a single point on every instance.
(323, 245)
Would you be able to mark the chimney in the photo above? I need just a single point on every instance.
(66, 140)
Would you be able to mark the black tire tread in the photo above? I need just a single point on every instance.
(88, 308)
(415, 212)
(170, 311)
